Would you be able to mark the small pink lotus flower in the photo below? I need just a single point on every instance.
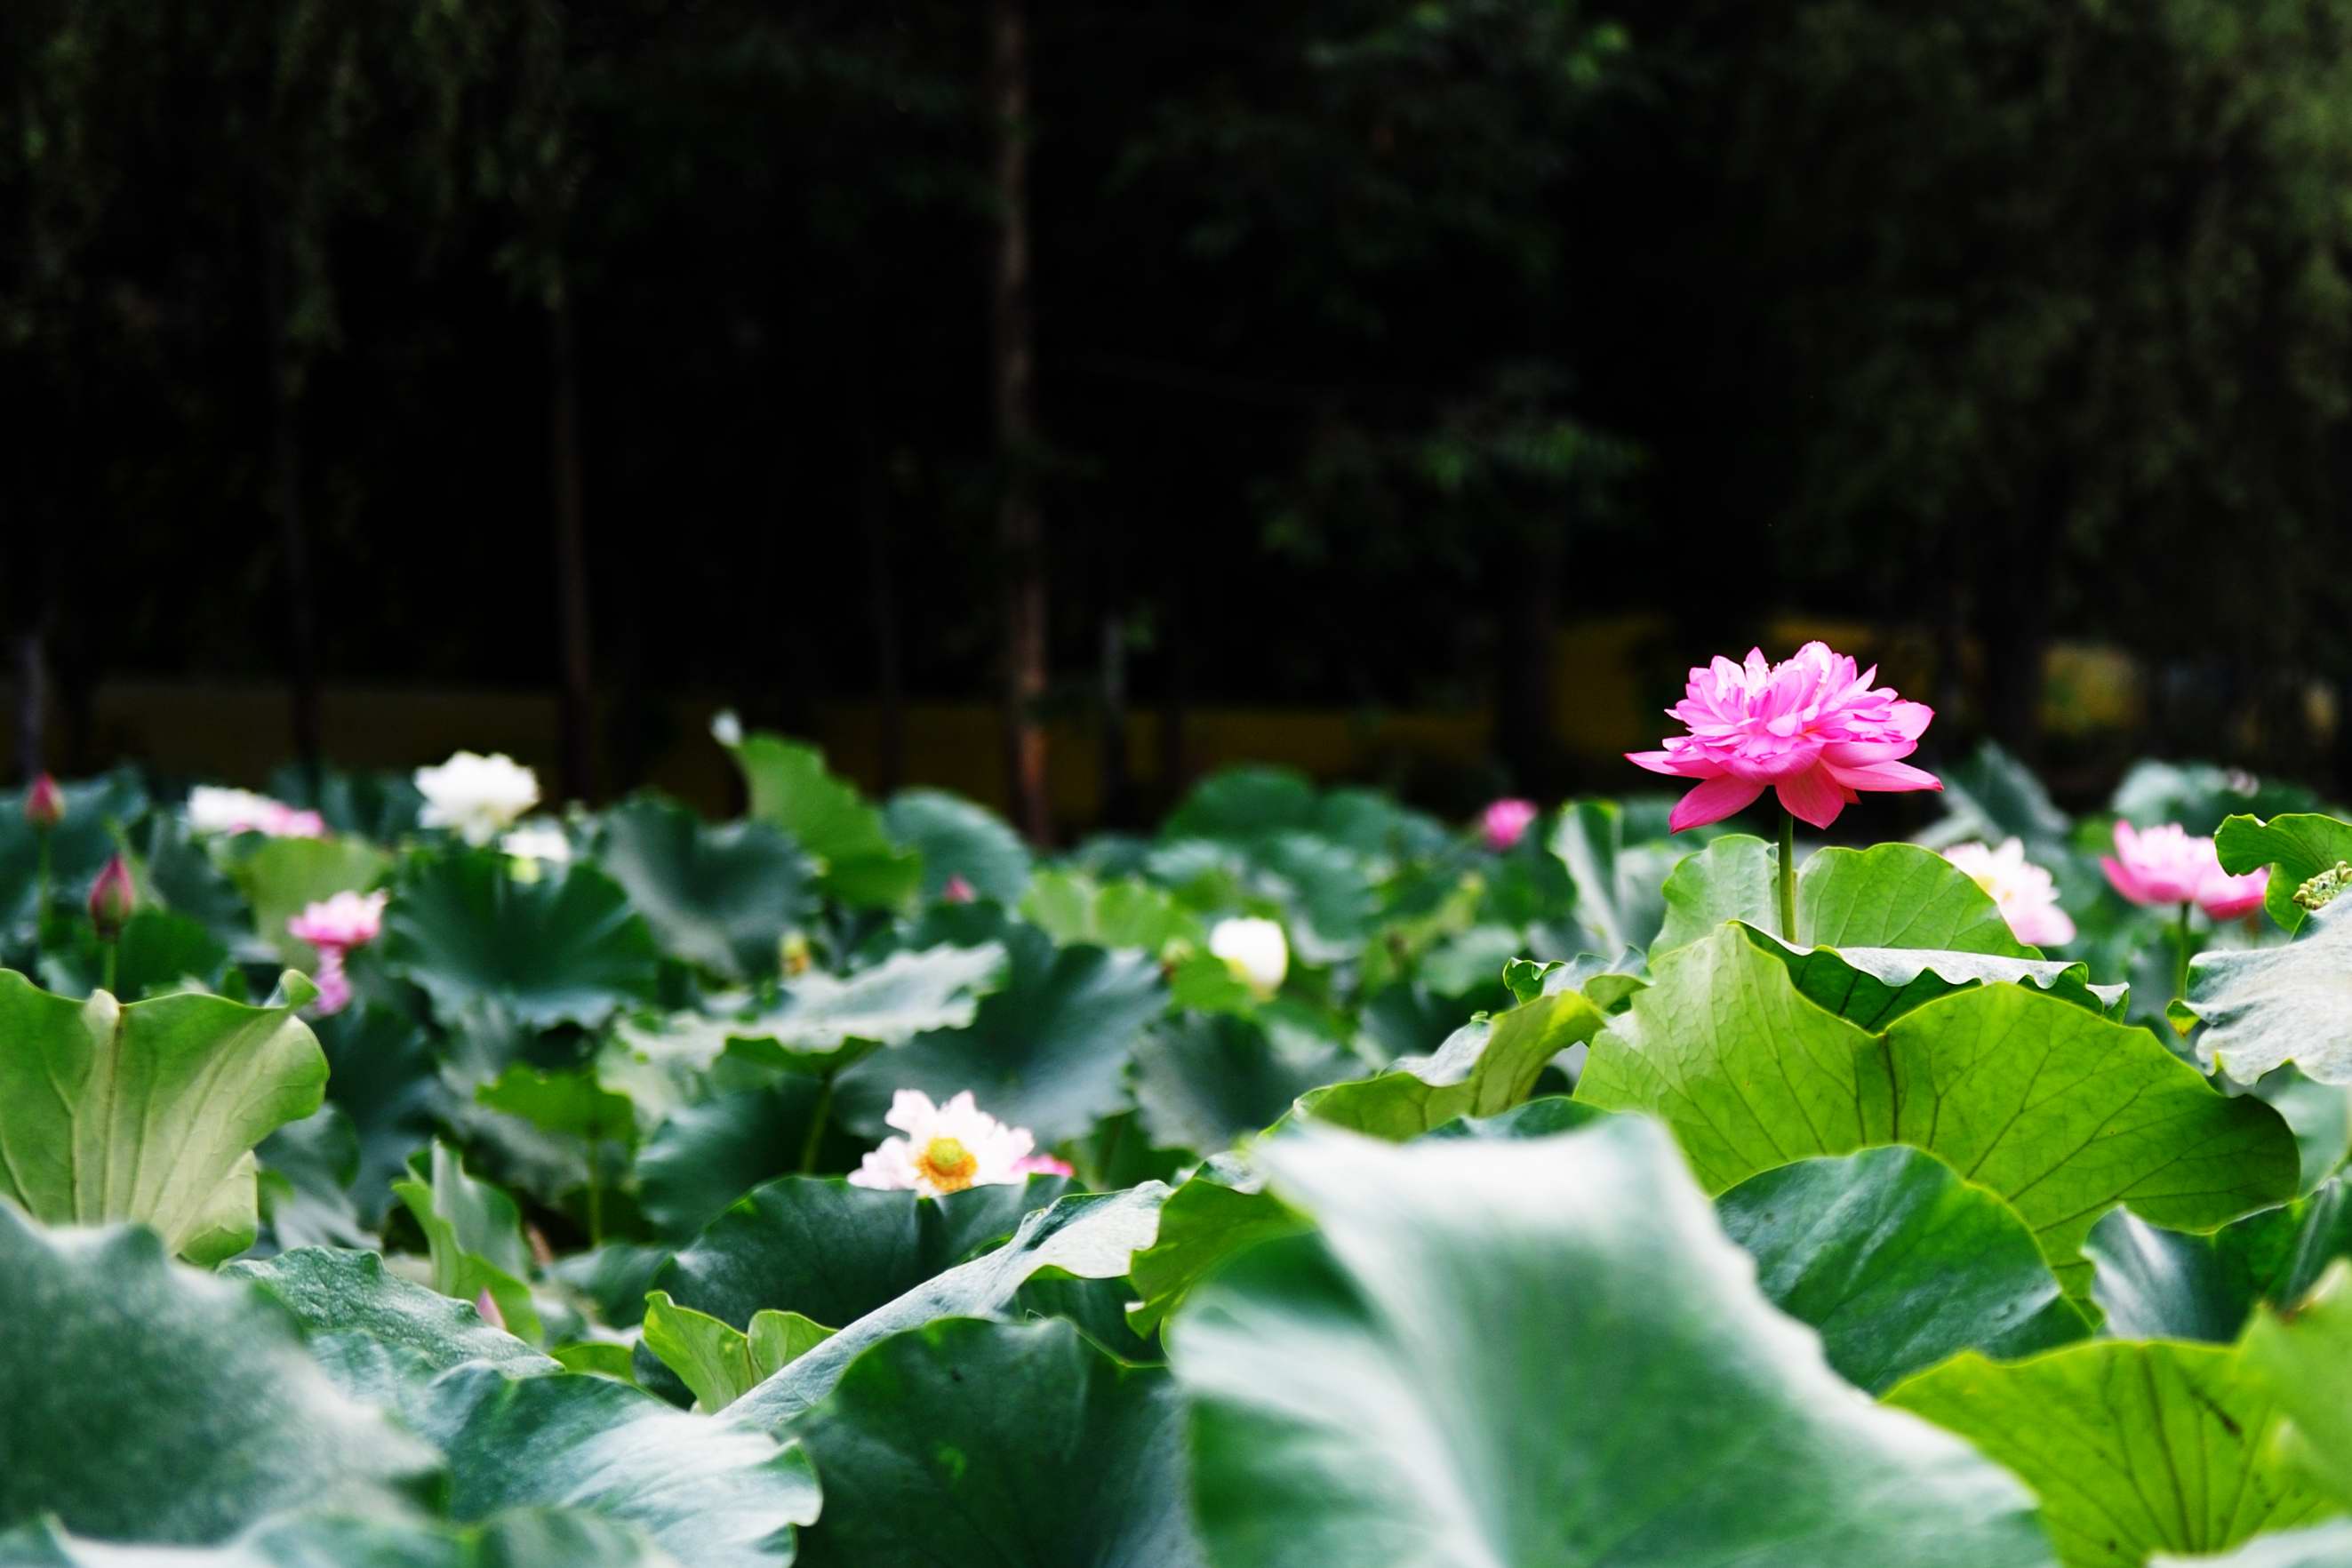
(487, 1306)
(1505, 822)
(958, 891)
(1042, 1165)
(2024, 892)
(215, 810)
(2166, 865)
(45, 803)
(1811, 727)
(335, 926)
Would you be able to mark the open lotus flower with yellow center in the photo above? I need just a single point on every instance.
(947, 1148)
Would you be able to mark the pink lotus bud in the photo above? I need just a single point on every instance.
(45, 803)
(958, 891)
(487, 1305)
(1505, 822)
(334, 983)
(112, 899)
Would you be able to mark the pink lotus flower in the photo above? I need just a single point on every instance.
(2023, 891)
(957, 891)
(1043, 1165)
(1505, 822)
(1811, 727)
(215, 810)
(335, 926)
(2161, 866)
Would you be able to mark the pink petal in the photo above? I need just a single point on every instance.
(1712, 802)
(1665, 763)
(1812, 796)
(1886, 778)
(2125, 882)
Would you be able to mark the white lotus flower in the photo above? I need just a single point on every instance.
(2024, 891)
(1255, 949)
(726, 728)
(946, 1148)
(212, 809)
(478, 797)
(539, 840)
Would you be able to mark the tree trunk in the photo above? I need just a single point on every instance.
(889, 683)
(577, 718)
(293, 528)
(1118, 787)
(1019, 527)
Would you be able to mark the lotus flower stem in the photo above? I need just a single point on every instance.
(596, 1193)
(2181, 966)
(817, 1119)
(1789, 879)
(108, 948)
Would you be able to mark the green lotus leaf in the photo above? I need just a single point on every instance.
(1890, 895)
(2154, 1283)
(1486, 1067)
(1220, 1211)
(954, 838)
(1090, 1238)
(564, 949)
(1876, 985)
(146, 1402)
(2320, 1546)
(703, 1157)
(1202, 1082)
(2301, 1355)
(2060, 1112)
(907, 994)
(991, 1446)
(1545, 1351)
(790, 789)
(534, 1538)
(2135, 1447)
(333, 1291)
(1897, 1262)
(2266, 1006)
(722, 897)
(96, 810)
(2296, 846)
(1618, 897)
(149, 1110)
(1047, 1051)
(474, 1233)
(718, 1362)
(1072, 908)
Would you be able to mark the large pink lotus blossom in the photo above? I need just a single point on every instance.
(335, 926)
(1505, 822)
(2166, 865)
(1811, 727)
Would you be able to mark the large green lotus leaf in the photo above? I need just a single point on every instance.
(1545, 1351)
(564, 949)
(1238, 804)
(144, 1401)
(723, 898)
(187, 881)
(1090, 1238)
(536, 1537)
(790, 789)
(334, 1291)
(1326, 889)
(957, 838)
(2154, 1283)
(474, 1233)
(1048, 1052)
(281, 876)
(79, 847)
(2304, 1357)
(305, 1185)
(1876, 985)
(704, 1156)
(382, 1073)
(989, 1445)
(717, 1361)
(832, 1252)
(710, 1495)
(2296, 847)
(1992, 797)
(2060, 1112)
(907, 994)
(2321, 1116)
(158, 953)
(1618, 896)
(2266, 1006)
(2320, 1546)
(1897, 1262)
(1201, 1082)
(1486, 1067)
(1220, 1211)
(2135, 1447)
(1072, 908)
(1539, 1118)
(1890, 895)
(148, 1112)
(570, 1102)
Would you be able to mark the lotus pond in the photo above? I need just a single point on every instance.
(399, 1173)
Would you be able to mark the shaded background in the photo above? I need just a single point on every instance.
(1053, 401)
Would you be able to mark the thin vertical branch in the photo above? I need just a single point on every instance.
(1020, 530)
